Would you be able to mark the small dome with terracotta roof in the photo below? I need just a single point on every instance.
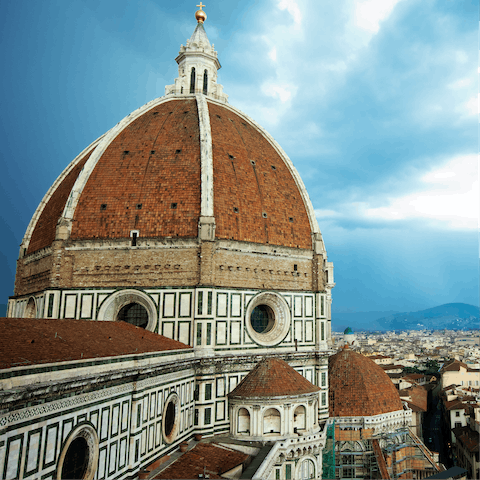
(273, 401)
(359, 387)
(273, 377)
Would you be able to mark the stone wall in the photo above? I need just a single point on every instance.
(169, 262)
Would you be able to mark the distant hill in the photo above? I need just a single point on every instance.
(452, 316)
(359, 320)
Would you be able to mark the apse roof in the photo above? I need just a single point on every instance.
(273, 377)
(32, 341)
(208, 458)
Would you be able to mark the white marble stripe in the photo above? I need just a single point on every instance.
(206, 157)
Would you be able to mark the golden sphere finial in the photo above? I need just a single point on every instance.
(200, 15)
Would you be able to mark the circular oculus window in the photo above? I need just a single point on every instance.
(171, 418)
(267, 318)
(135, 314)
(131, 306)
(79, 455)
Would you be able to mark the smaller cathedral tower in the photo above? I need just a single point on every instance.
(198, 65)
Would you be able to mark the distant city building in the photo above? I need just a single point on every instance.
(455, 372)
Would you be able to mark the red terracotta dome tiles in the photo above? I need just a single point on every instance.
(257, 182)
(359, 387)
(148, 179)
(45, 229)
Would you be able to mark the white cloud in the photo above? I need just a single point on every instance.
(320, 214)
(283, 92)
(472, 106)
(293, 9)
(369, 13)
(450, 197)
(273, 54)
(461, 83)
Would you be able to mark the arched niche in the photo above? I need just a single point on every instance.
(299, 418)
(30, 309)
(272, 421)
(243, 421)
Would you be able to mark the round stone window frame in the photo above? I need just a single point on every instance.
(282, 319)
(112, 305)
(171, 437)
(87, 431)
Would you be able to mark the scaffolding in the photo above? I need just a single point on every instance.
(391, 456)
(328, 458)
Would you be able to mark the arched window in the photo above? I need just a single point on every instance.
(30, 309)
(271, 421)
(243, 424)
(192, 81)
(135, 314)
(205, 82)
(299, 420)
(308, 469)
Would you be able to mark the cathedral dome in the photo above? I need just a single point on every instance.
(185, 192)
(165, 166)
(359, 387)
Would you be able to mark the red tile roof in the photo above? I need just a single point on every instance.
(453, 366)
(468, 437)
(418, 396)
(273, 377)
(32, 341)
(359, 387)
(414, 376)
(213, 458)
(455, 404)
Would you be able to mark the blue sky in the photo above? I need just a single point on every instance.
(375, 102)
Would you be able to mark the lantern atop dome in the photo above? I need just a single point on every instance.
(198, 65)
